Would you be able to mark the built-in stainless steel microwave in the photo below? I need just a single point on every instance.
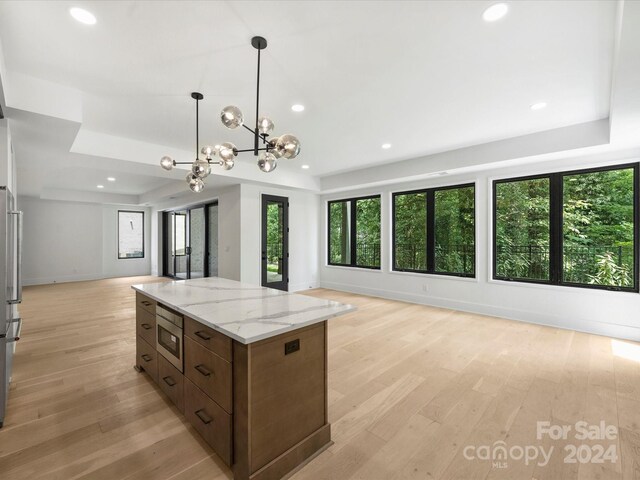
(169, 342)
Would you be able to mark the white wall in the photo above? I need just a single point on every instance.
(229, 238)
(303, 236)
(70, 241)
(597, 311)
(239, 233)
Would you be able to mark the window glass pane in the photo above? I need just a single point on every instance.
(410, 231)
(275, 241)
(130, 234)
(455, 230)
(368, 232)
(181, 234)
(598, 226)
(522, 229)
(197, 242)
(339, 236)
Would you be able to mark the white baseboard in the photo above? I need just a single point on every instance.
(540, 318)
(299, 287)
(75, 278)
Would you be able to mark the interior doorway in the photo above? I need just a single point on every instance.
(191, 242)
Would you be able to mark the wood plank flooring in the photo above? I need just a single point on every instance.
(410, 388)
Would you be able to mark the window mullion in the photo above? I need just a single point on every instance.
(352, 228)
(636, 224)
(431, 234)
(555, 227)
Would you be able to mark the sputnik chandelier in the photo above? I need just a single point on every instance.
(284, 146)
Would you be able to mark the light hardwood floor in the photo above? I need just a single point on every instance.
(410, 387)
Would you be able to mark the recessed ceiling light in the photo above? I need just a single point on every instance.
(386, 146)
(297, 107)
(100, 186)
(83, 16)
(495, 12)
(538, 106)
(306, 167)
(111, 179)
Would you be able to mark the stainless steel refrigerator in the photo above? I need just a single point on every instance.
(10, 290)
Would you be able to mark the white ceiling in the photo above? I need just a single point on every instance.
(424, 76)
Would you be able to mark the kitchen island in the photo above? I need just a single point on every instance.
(247, 366)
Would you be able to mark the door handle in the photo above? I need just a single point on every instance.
(169, 381)
(146, 357)
(18, 298)
(146, 326)
(18, 331)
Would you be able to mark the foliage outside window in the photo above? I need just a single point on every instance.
(434, 231)
(354, 232)
(410, 232)
(130, 234)
(275, 240)
(522, 229)
(571, 228)
(455, 231)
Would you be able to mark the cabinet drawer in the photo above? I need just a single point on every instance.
(208, 337)
(145, 302)
(147, 357)
(209, 372)
(171, 382)
(146, 325)
(211, 421)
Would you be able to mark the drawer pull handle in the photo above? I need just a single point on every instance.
(202, 415)
(146, 357)
(145, 303)
(202, 335)
(203, 370)
(169, 381)
(146, 326)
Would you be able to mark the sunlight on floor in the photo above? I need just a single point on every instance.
(630, 351)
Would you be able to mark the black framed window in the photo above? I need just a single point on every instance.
(130, 234)
(434, 231)
(354, 232)
(574, 228)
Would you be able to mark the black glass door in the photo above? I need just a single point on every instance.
(275, 242)
(191, 242)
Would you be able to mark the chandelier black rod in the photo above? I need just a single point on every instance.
(263, 136)
(197, 128)
(255, 133)
(251, 149)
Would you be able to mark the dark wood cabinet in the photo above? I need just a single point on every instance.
(262, 406)
(209, 419)
(146, 303)
(208, 337)
(147, 357)
(209, 372)
(280, 402)
(171, 382)
(146, 325)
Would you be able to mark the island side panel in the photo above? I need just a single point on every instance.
(282, 382)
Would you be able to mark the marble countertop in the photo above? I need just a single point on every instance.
(247, 313)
